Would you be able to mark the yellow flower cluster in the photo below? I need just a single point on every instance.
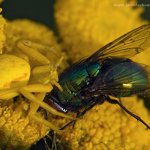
(17, 131)
(85, 26)
(107, 126)
(21, 43)
(25, 29)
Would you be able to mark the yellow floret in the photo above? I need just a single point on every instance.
(41, 37)
(107, 126)
(29, 67)
(85, 26)
(16, 129)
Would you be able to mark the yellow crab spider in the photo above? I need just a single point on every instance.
(19, 76)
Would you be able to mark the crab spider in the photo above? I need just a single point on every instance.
(41, 78)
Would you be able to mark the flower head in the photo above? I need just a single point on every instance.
(85, 26)
(22, 123)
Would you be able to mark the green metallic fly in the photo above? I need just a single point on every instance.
(107, 73)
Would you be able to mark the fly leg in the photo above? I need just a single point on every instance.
(79, 114)
(113, 101)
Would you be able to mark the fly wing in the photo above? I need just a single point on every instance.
(126, 46)
(121, 80)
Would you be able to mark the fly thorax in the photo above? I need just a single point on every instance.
(93, 69)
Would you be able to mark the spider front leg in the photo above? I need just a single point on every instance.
(27, 48)
(35, 99)
(36, 51)
(36, 103)
(8, 94)
(45, 73)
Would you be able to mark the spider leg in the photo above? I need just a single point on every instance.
(113, 101)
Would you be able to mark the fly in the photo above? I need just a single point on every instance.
(108, 73)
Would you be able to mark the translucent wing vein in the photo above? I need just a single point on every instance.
(126, 46)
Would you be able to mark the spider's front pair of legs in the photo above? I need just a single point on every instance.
(43, 76)
(112, 101)
(34, 50)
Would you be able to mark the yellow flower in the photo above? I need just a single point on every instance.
(31, 57)
(103, 127)
(85, 26)
(107, 126)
